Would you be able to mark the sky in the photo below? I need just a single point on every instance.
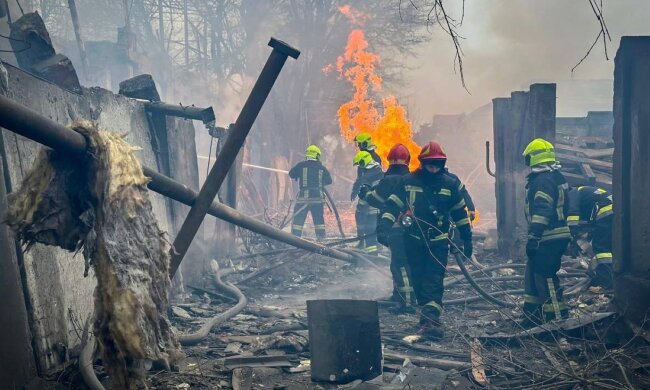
(509, 44)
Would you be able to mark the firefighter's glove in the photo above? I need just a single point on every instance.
(532, 246)
(468, 249)
(472, 215)
(363, 191)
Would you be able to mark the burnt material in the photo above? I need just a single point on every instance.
(631, 181)
(110, 216)
(344, 340)
(231, 148)
(140, 87)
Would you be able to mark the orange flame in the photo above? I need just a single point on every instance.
(388, 126)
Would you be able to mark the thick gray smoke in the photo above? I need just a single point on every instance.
(510, 44)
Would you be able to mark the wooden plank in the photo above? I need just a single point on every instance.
(594, 163)
(478, 367)
(589, 153)
(442, 364)
(588, 172)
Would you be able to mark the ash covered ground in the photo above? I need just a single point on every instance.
(482, 346)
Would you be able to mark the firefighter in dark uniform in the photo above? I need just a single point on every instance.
(312, 176)
(370, 174)
(548, 234)
(591, 211)
(398, 160)
(424, 203)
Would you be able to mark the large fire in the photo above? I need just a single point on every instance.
(387, 125)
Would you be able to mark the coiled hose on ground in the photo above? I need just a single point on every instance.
(230, 289)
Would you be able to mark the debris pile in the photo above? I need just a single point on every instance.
(102, 206)
(587, 161)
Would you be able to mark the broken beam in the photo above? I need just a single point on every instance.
(23, 121)
(234, 142)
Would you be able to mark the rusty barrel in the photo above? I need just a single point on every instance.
(344, 340)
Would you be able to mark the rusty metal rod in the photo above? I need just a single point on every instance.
(231, 148)
(28, 123)
(487, 159)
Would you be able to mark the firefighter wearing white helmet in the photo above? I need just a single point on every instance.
(312, 176)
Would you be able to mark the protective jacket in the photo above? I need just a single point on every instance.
(377, 195)
(434, 200)
(311, 176)
(547, 205)
(468, 199)
(588, 204)
(369, 176)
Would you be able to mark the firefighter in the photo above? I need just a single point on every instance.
(423, 203)
(548, 234)
(364, 144)
(398, 160)
(591, 211)
(312, 176)
(370, 174)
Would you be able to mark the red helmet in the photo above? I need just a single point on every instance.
(432, 151)
(399, 154)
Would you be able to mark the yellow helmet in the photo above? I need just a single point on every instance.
(312, 152)
(364, 140)
(539, 151)
(363, 159)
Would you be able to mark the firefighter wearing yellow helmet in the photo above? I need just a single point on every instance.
(548, 234)
(364, 144)
(369, 174)
(312, 176)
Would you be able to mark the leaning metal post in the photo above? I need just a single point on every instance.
(230, 149)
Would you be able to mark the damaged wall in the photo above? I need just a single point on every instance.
(59, 298)
(517, 121)
(631, 181)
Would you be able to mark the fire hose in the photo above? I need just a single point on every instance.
(229, 288)
(335, 210)
(488, 297)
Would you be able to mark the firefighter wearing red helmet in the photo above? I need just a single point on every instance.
(423, 203)
(399, 159)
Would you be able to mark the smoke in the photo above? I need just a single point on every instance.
(511, 44)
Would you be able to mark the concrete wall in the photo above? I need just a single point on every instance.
(59, 298)
(631, 182)
(517, 121)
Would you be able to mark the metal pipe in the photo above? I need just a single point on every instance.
(487, 159)
(231, 148)
(23, 121)
(205, 115)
